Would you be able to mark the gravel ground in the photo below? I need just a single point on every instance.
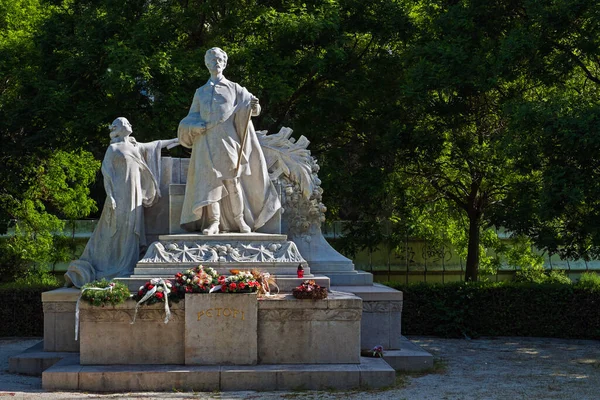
(488, 368)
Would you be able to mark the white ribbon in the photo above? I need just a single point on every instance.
(110, 287)
(156, 282)
(265, 284)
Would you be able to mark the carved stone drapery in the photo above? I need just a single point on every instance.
(186, 252)
(283, 315)
(108, 315)
(290, 161)
(382, 306)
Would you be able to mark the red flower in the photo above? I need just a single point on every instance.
(232, 286)
(242, 285)
(159, 295)
(149, 286)
(188, 289)
(141, 293)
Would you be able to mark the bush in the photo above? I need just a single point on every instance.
(501, 309)
(589, 281)
(21, 310)
(540, 275)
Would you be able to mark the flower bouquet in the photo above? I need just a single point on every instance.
(155, 291)
(376, 351)
(102, 293)
(310, 290)
(265, 281)
(196, 280)
(239, 282)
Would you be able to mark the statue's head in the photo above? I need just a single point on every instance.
(120, 128)
(215, 60)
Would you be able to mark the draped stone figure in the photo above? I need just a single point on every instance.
(131, 173)
(219, 196)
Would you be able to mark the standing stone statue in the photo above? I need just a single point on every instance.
(219, 195)
(131, 173)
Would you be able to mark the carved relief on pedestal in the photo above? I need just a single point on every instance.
(183, 252)
(291, 162)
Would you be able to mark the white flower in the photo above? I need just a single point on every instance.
(160, 289)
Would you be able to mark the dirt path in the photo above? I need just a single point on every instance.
(489, 368)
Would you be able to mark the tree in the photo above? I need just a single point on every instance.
(555, 135)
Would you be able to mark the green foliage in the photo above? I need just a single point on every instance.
(500, 309)
(540, 275)
(58, 186)
(589, 281)
(37, 277)
(117, 295)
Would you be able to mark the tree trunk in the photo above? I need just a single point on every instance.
(472, 267)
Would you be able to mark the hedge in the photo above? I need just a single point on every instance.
(500, 309)
(21, 311)
(449, 310)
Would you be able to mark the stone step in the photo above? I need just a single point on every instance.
(409, 357)
(69, 375)
(225, 237)
(348, 278)
(34, 360)
(285, 283)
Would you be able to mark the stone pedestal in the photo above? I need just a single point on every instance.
(382, 315)
(59, 320)
(220, 329)
(205, 329)
(108, 337)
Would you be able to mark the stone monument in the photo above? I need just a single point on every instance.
(225, 208)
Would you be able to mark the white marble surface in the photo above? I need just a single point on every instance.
(228, 186)
(131, 173)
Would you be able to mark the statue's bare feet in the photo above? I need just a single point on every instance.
(213, 229)
(244, 228)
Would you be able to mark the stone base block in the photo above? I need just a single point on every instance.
(59, 320)
(34, 360)
(292, 331)
(108, 337)
(221, 329)
(289, 331)
(382, 314)
(409, 357)
(69, 375)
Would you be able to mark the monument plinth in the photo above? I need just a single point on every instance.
(237, 183)
(221, 329)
